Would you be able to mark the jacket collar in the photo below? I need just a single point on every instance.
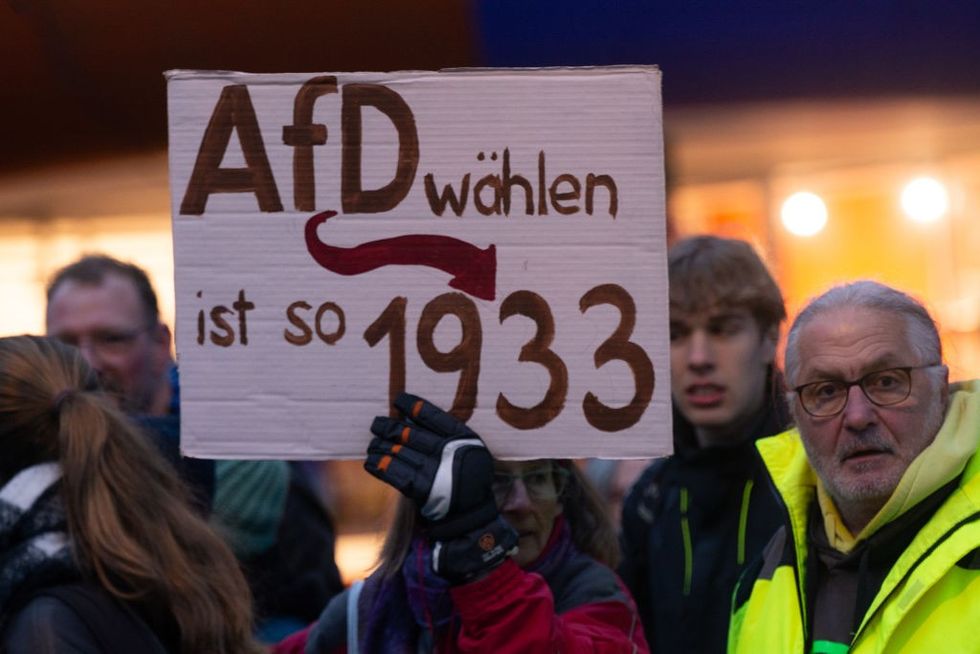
(771, 419)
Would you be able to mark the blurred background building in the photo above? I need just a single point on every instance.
(841, 138)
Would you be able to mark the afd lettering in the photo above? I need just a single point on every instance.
(501, 190)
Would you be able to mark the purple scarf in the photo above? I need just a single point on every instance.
(396, 612)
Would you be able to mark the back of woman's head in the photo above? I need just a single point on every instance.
(129, 520)
(33, 371)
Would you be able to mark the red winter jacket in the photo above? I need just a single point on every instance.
(511, 611)
(582, 608)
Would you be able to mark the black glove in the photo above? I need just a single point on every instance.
(444, 467)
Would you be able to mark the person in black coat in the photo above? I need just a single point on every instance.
(692, 521)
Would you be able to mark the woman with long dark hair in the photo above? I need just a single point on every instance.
(99, 548)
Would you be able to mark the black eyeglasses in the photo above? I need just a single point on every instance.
(822, 399)
(542, 483)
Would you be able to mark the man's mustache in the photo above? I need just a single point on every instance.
(864, 441)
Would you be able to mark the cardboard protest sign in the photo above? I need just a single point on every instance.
(491, 240)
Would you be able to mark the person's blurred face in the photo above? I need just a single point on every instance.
(107, 323)
(719, 359)
(861, 453)
(528, 497)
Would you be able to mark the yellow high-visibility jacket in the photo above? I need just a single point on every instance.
(930, 600)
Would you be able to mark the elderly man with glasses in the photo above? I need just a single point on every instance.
(881, 484)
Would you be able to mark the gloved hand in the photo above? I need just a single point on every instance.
(444, 467)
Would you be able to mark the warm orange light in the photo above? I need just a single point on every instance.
(925, 200)
(804, 214)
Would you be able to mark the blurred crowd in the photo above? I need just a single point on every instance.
(832, 506)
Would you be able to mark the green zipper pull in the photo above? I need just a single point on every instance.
(829, 647)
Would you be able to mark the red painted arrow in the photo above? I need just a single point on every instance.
(474, 270)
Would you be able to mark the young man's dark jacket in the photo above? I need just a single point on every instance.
(691, 523)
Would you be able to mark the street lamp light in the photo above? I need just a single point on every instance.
(925, 200)
(804, 214)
